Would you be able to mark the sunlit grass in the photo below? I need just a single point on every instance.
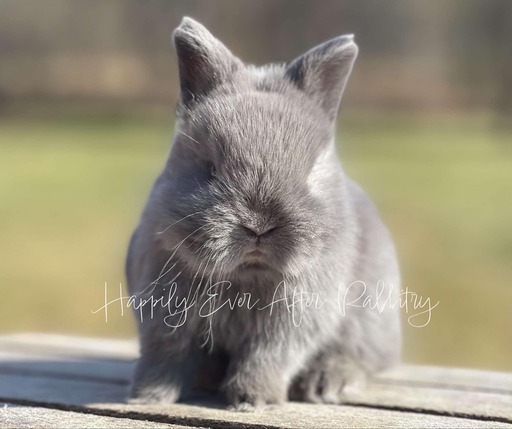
(72, 192)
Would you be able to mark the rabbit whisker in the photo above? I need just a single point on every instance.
(178, 221)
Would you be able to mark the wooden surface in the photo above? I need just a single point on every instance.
(56, 381)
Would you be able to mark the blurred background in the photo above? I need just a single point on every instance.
(87, 98)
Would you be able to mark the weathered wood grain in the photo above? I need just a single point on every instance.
(37, 363)
(36, 417)
(450, 378)
(63, 391)
(59, 372)
(297, 415)
(63, 345)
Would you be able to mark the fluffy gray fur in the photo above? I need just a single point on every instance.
(253, 166)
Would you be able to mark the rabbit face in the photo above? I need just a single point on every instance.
(252, 182)
(241, 170)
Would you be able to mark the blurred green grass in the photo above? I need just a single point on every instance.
(72, 192)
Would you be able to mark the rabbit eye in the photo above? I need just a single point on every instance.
(213, 171)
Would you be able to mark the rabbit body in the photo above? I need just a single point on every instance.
(266, 272)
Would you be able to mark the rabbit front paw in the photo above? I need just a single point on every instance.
(330, 381)
(249, 394)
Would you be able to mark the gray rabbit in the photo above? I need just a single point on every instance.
(262, 271)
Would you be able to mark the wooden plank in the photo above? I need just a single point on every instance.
(291, 415)
(36, 417)
(124, 350)
(116, 370)
(299, 415)
(57, 378)
(62, 391)
(63, 345)
(106, 396)
(450, 378)
(421, 395)
(475, 403)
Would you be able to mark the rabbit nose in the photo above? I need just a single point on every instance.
(254, 231)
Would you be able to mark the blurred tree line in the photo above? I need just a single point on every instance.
(414, 54)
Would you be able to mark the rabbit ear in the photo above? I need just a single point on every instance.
(204, 62)
(323, 71)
